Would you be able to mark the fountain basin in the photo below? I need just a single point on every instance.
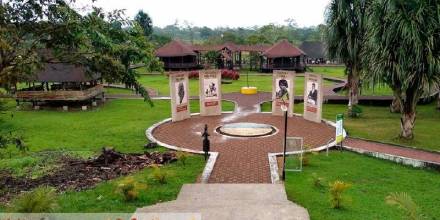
(246, 129)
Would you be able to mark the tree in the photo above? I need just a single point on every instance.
(145, 22)
(403, 51)
(345, 20)
(106, 43)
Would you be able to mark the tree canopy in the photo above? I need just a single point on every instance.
(108, 43)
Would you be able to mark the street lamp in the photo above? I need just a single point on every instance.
(284, 108)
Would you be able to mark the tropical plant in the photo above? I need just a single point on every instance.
(129, 189)
(345, 37)
(403, 51)
(39, 200)
(337, 190)
(160, 175)
(182, 157)
(404, 202)
(318, 181)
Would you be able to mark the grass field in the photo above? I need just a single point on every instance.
(120, 124)
(377, 123)
(333, 71)
(372, 180)
(262, 82)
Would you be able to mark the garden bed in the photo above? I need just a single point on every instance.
(77, 174)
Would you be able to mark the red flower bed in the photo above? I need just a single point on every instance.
(226, 74)
(230, 74)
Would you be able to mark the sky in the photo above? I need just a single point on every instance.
(221, 13)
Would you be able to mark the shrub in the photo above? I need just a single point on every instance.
(317, 180)
(39, 200)
(404, 202)
(129, 189)
(160, 175)
(337, 189)
(355, 112)
(182, 157)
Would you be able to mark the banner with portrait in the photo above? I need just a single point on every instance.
(283, 92)
(179, 91)
(210, 92)
(313, 97)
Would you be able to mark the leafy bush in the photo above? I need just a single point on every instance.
(317, 180)
(404, 202)
(230, 74)
(336, 190)
(129, 188)
(355, 112)
(182, 157)
(39, 200)
(160, 175)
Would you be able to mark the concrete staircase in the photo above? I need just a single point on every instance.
(232, 201)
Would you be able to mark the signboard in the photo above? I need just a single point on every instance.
(210, 92)
(283, 84)
(339, 128)
(179, 91)
(313, 96)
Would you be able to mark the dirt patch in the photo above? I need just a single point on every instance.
(77, 174)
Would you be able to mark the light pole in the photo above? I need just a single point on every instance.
(284, 108)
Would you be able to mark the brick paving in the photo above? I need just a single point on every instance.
(241, 160)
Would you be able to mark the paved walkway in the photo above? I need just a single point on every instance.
(393, 150)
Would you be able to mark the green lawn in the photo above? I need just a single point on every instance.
(103, 197)
(377, 123)
(262, 82)
(120, 124)
(372, 180)
(330, 71)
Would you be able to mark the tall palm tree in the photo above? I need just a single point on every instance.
(345, 39)
(403, 51)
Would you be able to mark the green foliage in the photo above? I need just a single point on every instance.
(403, 52)
(145, 22)
(39, 200)
(182, 157)
(318, 181)
(404, 202)
(160, 175)
(337, 190)
(355, 111)
(129, 189)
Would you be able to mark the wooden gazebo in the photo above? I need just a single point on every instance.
(283, 56)
(60, 82)
(177, 55)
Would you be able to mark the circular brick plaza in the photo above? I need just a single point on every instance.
(241, 159)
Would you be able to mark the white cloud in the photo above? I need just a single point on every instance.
(231, 13)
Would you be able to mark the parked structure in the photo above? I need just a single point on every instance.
(316, 52)
(178, 55)
(283, 56)
(61, 82)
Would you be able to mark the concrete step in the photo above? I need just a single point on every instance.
(242, 212)
(232, 201)
(242, 192)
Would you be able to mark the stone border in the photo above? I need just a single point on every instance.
(394, 158)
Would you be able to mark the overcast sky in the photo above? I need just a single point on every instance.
(222, 13)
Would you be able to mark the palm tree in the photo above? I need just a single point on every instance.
(403, 51)
(345, 39)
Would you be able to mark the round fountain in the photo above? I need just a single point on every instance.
(245, 129)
